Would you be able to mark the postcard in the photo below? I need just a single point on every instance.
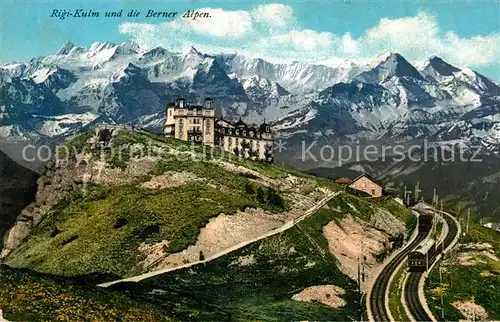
(295, 160)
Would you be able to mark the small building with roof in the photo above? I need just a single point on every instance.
(367, 184)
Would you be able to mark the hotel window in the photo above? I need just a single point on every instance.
(181, 128)
(208, 127)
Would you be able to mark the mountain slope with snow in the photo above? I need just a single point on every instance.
(385, 98)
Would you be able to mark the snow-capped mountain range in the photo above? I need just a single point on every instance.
(382, 98)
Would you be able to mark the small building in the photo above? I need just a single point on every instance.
(368, 185)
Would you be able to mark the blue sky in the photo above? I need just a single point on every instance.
(465, 33)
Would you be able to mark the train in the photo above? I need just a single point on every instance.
(421, 258)
(425, 222)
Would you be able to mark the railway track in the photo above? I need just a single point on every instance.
(417, 310)
(379, 289)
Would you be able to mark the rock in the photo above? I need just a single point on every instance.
(352, 238)
(326, 294)
(1, 317)
(470, 310)
(17, 189)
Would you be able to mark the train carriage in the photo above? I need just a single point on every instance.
(425, 222)
(420, 259)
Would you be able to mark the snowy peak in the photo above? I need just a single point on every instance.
(128, 47)
(66, 48)
(129, 71)
(437, 70)
(442, 67)
(192, 58)
(132, 69)
(194, 51)
(54, 77)
(392, 65)
(100, 46)
(257, 87)
(154, 54)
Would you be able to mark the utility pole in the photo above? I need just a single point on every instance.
(360, 299)
(407, 197)
(442, 291)
(361, 277)
(473, 309)
(468, 218)
(417, 191)
(434, 198)
(363, 259)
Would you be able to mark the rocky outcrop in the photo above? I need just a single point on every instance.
(57, 181)
(1, 317)
(354, 241)
(327, 294)
(17, 189)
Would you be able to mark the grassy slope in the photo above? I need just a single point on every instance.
(78, 237)
(396, 289)
(281, 266)
(460, 283)
(29, 296)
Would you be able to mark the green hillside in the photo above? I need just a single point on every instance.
(97, 228)
(27, 296)
(471, 270)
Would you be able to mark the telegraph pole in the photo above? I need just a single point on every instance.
(417, 191)
(468, 218)
(407, 197)
(359, 290)
(361, 278)
(442, 291)
(473, 309)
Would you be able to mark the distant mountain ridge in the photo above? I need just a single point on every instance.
(384, 98)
